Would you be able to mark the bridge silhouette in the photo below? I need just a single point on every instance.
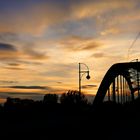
(120, 84)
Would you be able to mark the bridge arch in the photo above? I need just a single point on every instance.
(116, 70)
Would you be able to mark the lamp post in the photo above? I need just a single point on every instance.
(81, 73)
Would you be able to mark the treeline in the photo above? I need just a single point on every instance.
(71, 99)
(68, 111)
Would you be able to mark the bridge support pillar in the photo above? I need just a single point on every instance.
(114, 91)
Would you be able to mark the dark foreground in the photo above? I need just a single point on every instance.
(108, 121)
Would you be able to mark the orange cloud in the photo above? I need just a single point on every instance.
(32, 19)
(98, 55)
(10, 52)
(110, 31)
(97, 8)
(77, 43)
(30, 53)
(36, 18)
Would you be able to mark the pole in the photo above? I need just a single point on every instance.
(138, 79)
(83, 72)
(79, 78)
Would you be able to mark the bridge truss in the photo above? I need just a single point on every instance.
(121, 83)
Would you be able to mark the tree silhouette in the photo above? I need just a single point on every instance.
(73, 98)
(10, 102)
(50, 99)
(17, 103)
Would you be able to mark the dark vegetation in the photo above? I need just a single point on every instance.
(69, 117)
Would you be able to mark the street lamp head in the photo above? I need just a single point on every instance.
(88, 76)
(81, 73)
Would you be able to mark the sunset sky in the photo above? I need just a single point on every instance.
(42, 42)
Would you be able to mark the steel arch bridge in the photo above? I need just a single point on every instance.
(120, 84)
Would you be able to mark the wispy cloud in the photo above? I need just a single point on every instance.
(9, 36)
(77, 43)
(12, 53)
(31, 53)
(88, 86)
(8, 52)
(23, 95)
(7, 47)
(28, 62)
(99, 8)
(29, 92)
(8, 82)
(13, 64)
(31, 87)
(98, 55)
(38, 14)
(43, 14)
(13, 68)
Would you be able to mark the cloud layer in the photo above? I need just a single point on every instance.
(42, 41)
(36, 16)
